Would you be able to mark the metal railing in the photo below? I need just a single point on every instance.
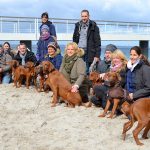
(31, 25)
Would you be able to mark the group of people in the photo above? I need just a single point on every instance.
(78, 57)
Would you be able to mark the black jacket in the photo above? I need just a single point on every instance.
(93, 39)
(141, 80)
(29, 57)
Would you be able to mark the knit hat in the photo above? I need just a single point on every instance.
(45, 27)
(52, 44)
(110, 47)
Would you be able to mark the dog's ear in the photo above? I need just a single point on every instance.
(15, 63)
(51, 67)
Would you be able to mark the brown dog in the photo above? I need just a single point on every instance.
(26, 71)
(95, 78)
(116, 94)
(60, 86)
(138, 111)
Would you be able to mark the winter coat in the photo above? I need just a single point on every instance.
(139, 81)
(4, 58)
(78, 71)
(30, 56)
(56, 60)
(42, 49)
(103, 66)
(93, 40)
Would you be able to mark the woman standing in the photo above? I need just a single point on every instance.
(74, 69)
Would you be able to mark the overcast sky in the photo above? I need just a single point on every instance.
(113, 10)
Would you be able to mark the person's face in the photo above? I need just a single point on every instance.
(84, 17)
(6, 47)
(44, 32)
(44, 19)
(134, 56)
(70, 50)
(22, 49)
(1, 50)
(116, 61)
(51, 51)
(108, 55)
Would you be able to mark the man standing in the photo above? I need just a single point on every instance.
(87, 36)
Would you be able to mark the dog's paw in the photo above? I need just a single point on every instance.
(102, 115)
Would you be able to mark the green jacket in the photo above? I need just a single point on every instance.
(77, 74)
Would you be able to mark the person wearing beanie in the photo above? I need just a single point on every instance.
(45, 21)
(54, 55)
(102, 67)
(47, 35)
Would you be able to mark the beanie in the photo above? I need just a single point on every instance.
(52, 44)
(44, 27)
(110, 47)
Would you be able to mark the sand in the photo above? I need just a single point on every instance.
(27, 122)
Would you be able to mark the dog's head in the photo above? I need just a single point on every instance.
(47, 67)
(29, 65)
(94, 77)
(112, 78)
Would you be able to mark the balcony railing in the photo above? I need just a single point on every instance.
(31, 25)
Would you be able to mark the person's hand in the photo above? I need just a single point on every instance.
(102, 75)
(131, 96)
(96, 59)
(74, 88)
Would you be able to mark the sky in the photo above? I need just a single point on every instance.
(110, 10)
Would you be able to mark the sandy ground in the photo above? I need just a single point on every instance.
(27, 122)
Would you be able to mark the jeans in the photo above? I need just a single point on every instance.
(6, 78)
(88, 64)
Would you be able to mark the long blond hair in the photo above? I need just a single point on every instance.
(78, 51)
(119, 54)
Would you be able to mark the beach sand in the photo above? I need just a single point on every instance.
(27, 122)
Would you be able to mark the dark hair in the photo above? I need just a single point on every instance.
(139, 52)
(84, 10)
(7, 44)
(145, 60)
(137, 49)
(45, 14)
(23, 44)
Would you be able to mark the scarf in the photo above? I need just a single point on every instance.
(23, 58)
(69, 62)
(116, 67)
(132, 66)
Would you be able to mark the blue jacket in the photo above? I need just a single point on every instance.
(138, 81)
(42, 49)
(56, 61)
